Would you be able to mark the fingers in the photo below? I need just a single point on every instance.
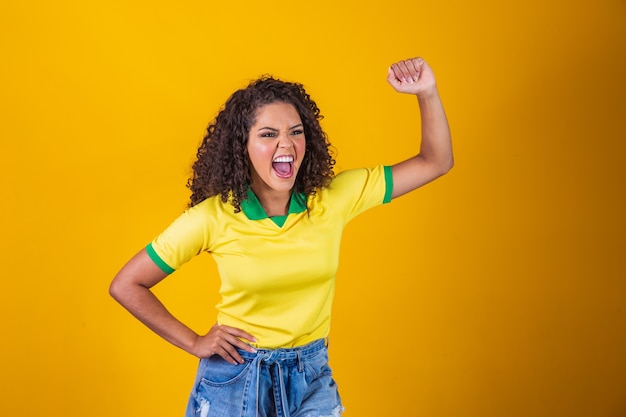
(229, 341)
(228, 353)
(238, 333)
(406, 71)
(224, 341)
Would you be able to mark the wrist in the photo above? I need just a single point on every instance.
(428, 94)
(193, 347)
(428, 98)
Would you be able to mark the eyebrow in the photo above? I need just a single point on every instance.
(276, 130)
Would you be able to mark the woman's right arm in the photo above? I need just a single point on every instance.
(131, 288)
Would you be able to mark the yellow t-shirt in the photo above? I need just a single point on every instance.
(277, 274)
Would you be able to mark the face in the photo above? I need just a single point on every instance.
(276, 146)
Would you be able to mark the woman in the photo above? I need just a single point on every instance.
(266, 205)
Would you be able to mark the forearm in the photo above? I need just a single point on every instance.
(141, 302)
(436, 144)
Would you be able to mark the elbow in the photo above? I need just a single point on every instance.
(446, 166)
(450, 165)
(116, 290)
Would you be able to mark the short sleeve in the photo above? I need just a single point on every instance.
(357, 190)
(185, 238)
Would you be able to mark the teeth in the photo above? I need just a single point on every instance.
(285, 158)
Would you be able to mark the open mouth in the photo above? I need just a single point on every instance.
(283, 166)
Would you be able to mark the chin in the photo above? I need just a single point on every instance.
(285, 186)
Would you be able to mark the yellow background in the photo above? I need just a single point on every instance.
(498, 290)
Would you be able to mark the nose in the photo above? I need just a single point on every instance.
(284, 141)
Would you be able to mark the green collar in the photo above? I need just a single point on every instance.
(253, 210)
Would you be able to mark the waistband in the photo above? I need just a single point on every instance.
(286, 354)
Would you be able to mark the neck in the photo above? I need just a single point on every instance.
(275, 203)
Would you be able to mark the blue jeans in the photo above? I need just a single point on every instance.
(295, 382)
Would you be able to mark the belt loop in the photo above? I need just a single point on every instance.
(300, 364)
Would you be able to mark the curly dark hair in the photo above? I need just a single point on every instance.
(222, 166)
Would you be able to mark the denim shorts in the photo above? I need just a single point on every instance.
(295, 382)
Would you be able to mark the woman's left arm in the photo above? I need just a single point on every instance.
(414, 76)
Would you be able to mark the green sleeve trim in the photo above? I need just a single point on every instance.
(157, 260)
(388, 184)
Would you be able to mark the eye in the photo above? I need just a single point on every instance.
(297, 132)
(268, 134)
